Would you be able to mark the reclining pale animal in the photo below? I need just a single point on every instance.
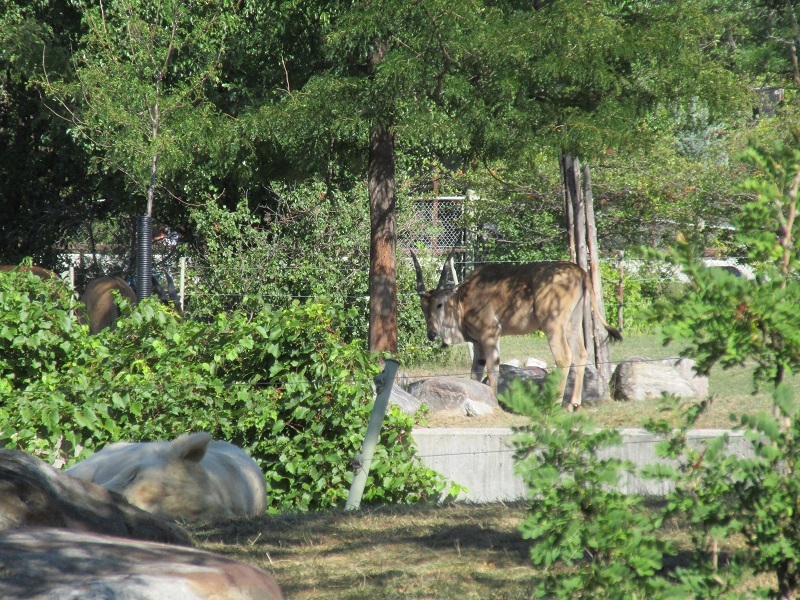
(190, 477)
(496, 300)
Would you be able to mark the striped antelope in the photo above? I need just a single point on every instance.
(496, 300)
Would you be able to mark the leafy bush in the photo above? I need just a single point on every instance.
(38, 328)
(282, 384)
(576, 517)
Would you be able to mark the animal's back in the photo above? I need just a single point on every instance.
(105, 464)
(100, 305)
(236, 476)
(525, 297)
(227, 478)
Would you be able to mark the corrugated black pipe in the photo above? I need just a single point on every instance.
(144, 257)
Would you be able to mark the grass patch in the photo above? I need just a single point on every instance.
(731, 390)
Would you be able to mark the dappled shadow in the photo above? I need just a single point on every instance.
(381, 547)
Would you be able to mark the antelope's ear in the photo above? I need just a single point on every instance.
(418, 268)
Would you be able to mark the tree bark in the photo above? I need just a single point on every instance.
(569, 218)
(383, 242)
(602, 356)
(574, 192)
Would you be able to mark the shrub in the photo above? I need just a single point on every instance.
(282, 384)
(577, 519)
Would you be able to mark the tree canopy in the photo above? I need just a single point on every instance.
(245, 104)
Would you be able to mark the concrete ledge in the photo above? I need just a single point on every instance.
(483, 461)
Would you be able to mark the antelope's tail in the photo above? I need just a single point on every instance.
(613, 333)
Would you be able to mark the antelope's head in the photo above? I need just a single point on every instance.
(441, 314)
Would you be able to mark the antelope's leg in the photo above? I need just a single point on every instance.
(580, 371)
(491, 353)
(478, 362)
(562, 354)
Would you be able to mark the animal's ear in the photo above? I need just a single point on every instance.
(191, 446)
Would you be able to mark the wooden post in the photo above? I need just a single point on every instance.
(566, 194)
(602, 355)
(620, 292)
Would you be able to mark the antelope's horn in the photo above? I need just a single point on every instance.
(420, 280)
(443, 277)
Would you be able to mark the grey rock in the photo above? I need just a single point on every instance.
(471, 408)
(536, 362)
(449, 393)
(407, 403)
(510, 373)
(640, 378)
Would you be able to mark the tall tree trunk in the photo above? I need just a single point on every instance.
(569, 217)
(602, 355)
(574, 192)
(383, 242)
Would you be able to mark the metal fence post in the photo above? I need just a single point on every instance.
(183, 281)
(363, 460)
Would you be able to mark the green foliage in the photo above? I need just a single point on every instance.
(727, 319)
(732, 320)
(313, 245)
(283, 384)
(722, 494)
(576, 518)
(38, 331)
(136, 95)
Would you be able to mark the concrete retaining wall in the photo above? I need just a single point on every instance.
(483, 461)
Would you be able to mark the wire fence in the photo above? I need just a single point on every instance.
(299, 382)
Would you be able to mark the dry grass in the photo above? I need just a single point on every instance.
(459, 551)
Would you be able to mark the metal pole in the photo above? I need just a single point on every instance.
(363, 460)
(183, 280)
(144, 257)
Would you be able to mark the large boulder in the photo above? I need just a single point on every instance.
(594, 388)
(510, 372)
(32, 493)
(58, 564)
(448, 394)
(640, 378)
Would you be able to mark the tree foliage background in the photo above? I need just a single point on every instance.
(260, 113)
